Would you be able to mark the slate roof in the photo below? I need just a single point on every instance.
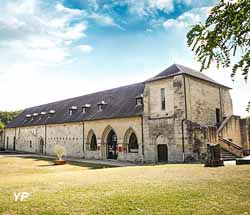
(121, 102)
(177, 69)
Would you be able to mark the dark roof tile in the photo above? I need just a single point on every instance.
(177, 69)
(121, 102)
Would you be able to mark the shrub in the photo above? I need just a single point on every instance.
(60, 152)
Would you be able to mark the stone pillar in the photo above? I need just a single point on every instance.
(244, 130)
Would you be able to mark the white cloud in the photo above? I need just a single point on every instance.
(35, 33)
(85, 48)
(166, 5)
(72, 12)
(104, 19)
(36, 43)
(174, 23)
(188, 18)
(149, 7)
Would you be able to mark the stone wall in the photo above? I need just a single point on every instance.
(172, 126)
(202, 100)
(237, 131)
(245, 135)
(27, 138)
(232, 130)
(69, 135)
(1, 139)
(122, 127)
(226, 102)
(74, 137)
(164, 128)
(10, 138)
(154, 98)
(196, 139)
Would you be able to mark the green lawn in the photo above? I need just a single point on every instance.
(164, 189)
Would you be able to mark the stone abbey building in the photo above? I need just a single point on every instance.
(168, 118)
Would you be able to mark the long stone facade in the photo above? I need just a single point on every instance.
(179, 116)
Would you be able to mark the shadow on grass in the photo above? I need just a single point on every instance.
(74, 163)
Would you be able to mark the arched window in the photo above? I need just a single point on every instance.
(133, 143)
(93, 143)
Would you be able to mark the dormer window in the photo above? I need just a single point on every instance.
(42, 114)
(139, 100)
(72, 110)
(85, 108)
(35, 114)
(101, 105)
(52, 111)
(28, 115)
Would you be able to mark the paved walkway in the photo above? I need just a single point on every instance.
(78, 160)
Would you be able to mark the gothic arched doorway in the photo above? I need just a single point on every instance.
(112, 145)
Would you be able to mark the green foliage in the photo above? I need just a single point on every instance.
(248, 107)
(225, 30)
(7, 116)
(60, 151)
(1, 125)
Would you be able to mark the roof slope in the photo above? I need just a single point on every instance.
(121, 102)
(177, 69)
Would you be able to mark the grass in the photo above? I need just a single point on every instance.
(85, 189)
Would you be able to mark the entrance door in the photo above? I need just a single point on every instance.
(14, 143)
(162, 151)
(112, 145)
(41, 144)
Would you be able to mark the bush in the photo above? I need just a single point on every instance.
(60, 152)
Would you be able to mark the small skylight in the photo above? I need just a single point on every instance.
(73, 108)
(52, 111)
(42, 113)
(28, 115)
(35, 114)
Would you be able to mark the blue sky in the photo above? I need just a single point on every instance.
(52, 50)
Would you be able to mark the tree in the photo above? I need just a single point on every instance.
(248, 107)
(225, 32)
(7, 116)
(1, 125)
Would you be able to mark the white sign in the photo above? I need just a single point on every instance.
(21, 196)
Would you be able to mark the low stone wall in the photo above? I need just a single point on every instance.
(236, 130)
(196, 139)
